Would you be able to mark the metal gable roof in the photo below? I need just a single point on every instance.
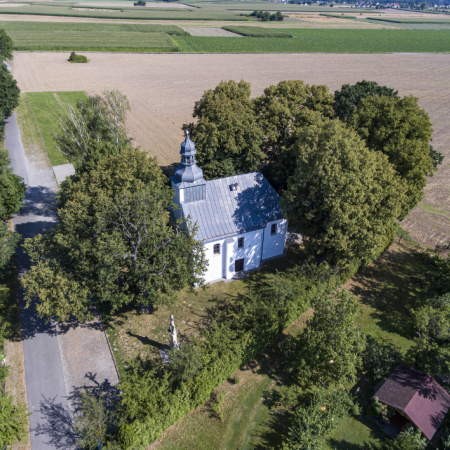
(226, 212)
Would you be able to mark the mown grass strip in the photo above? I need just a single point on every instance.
(47, 108)
(257, 32)
(325, 41)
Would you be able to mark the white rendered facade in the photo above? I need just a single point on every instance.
(239, 218)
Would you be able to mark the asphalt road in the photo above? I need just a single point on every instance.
(50, 423)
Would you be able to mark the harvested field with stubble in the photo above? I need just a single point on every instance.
(162, 90)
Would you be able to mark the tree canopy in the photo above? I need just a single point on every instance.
(113, 242)
(94, 129)
(282, 111)
(9, 92)
(349, 96)
(6, 45)
(13, 421)
(330, 348)
(342, 197)
(227, 136)
(401, 130)
(12, 187)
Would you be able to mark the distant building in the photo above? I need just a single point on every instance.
(239, 218)
(417, 398)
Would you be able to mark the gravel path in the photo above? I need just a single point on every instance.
(59, 358)
(210, 32)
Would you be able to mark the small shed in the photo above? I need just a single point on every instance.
(417, 396)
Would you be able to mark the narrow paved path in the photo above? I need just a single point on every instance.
(44, 378)
(59, 358)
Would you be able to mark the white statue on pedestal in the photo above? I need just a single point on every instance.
(173, 334)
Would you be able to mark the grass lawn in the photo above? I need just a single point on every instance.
(44, 109)
(386, 292)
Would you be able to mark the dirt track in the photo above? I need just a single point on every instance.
(162, 89)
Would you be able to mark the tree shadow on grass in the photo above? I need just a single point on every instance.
(147, 341)
(389, 287)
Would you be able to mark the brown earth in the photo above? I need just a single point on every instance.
(162, 89)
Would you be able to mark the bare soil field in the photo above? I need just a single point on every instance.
(212, 32)
(162, 89)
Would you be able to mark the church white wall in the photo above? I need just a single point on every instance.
(223, 265)
(274, 245)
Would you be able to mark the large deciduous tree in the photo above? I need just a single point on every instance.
(94, 129)
(282, 111)
(349, 97)
(342, 197)
(330, 348)
(6, 45)
(227, 136)
(9, 94)
(12, 187)
(400, 129)
(113, 243)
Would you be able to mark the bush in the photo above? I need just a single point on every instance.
(12, 188)
(380, 359)
(140, 3)
(74, 58)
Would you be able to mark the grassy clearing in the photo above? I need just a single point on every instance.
(258, 32)
(10, 320)
(386, 292)
(46, 109)
(326, 40)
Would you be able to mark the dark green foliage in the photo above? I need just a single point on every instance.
(12, 188)
(436, 157)
(227, 135)
(113, 243)
(381, 411)
(411, 439)
(401, 130)
(342, 197)
(13, 421)
(9, 93)
(329, 349)
(283, 110)
(186, 361)
(8, 244)
(445, 439)
(350, 96)
(380, 359)
(313, 423)
(94, 419)
(139, 3)
(265, 16)
(74, 58)
(432, 349)
(6, 45)
(152, 401)
(94, 130)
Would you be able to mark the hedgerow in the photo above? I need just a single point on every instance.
(154, 399)
(257, 32)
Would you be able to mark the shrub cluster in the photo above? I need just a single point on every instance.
(265, 16)
(74, 58)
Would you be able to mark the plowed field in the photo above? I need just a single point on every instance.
(162, 90)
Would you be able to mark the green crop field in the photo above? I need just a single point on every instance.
(325, 40)
(258, 32)
(444, 20)
(92, 36)
(46, 108)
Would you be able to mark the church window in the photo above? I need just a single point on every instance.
(273, 229)
(216, 249)
(241, 243)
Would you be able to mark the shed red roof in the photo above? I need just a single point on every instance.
(418, 395)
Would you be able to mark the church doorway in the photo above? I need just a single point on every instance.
(239, 265)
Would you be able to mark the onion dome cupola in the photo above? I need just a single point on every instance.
(188, 172)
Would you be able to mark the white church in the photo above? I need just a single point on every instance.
(239, 218)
